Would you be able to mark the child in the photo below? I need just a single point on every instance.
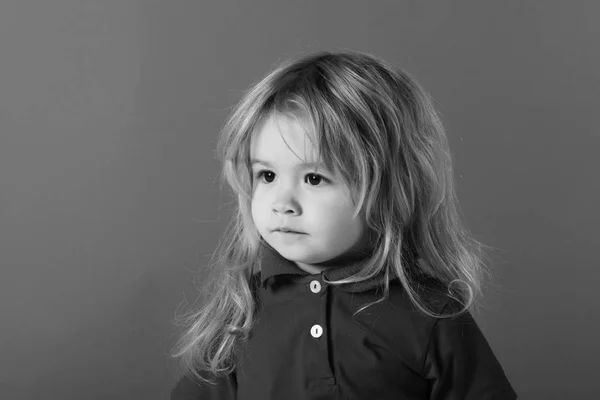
(346, 273)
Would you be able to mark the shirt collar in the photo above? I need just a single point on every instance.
(274, 264)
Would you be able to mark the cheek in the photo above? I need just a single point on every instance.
(254, 208)
(352, 229)
(354, 226)
(257, 208)
(337, 219)
(342, 210)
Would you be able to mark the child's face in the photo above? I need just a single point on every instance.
(288, 193)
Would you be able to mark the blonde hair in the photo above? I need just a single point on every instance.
(378, 128)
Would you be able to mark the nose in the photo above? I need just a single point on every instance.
(286, 202)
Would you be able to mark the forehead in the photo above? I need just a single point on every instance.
(284, 139)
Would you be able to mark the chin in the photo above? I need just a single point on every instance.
(296, 254)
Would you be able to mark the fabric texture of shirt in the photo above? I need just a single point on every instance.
(306, 344)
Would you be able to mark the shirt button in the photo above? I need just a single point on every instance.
(315, 286)
(316, 331)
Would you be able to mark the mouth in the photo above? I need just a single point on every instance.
(284, 230)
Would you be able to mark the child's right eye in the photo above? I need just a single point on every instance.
(266, 174)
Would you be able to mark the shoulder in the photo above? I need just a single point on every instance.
(399, 304)
(397, 323)
(430, 294)
(460, 362)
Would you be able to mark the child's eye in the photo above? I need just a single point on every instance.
(312, 178)
(264, 174)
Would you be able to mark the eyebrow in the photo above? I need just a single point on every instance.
(304, 164)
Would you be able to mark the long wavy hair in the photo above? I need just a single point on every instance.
(378, 129)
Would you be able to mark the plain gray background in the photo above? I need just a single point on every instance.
(109, 203)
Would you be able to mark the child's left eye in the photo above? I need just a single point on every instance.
(315, 177)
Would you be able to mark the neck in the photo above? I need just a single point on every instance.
(336, 262)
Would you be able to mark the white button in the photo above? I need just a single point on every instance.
(316, 331)
(315, 286)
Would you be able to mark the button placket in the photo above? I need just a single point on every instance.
(320, 336)
(316, 331)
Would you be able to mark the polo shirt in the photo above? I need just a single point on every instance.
(306, 344)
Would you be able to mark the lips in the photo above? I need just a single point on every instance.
(287, 230)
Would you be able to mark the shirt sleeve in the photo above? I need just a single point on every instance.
(188, 388)
(460, 364)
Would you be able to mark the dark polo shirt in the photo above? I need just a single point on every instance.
(306, 344)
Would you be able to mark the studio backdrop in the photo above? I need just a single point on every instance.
(110, 203)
